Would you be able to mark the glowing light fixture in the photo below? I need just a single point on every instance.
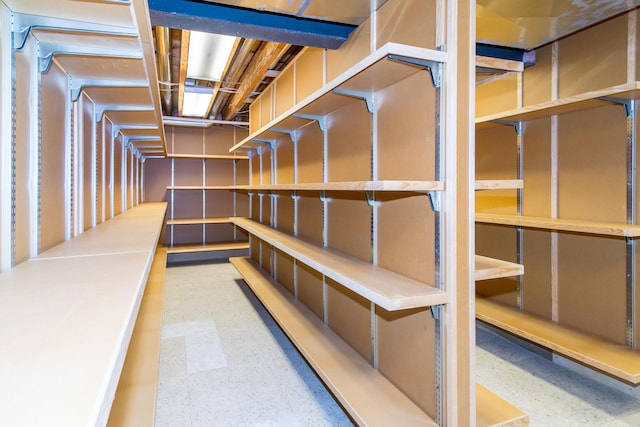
(196, 101)
(208, 55)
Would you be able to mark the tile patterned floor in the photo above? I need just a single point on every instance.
(224, 362)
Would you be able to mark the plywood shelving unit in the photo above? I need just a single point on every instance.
(198, 179)
(574, 224)
(351, 187)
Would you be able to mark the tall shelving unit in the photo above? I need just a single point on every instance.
(197, 179)
(574, 224)
(360, 216)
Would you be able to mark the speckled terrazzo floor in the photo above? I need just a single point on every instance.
(225, 362)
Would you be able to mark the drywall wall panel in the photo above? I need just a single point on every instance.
(536, 282)
(284, 270)
(309, 72)
(349, 315)
(23, 150)
(536, 79)
(591, 271)
(266, 106)
(187, 203)
(589, 141)
(86, 147)
(413, 123)
(218, 172)
(254, 116)
(636, 302)
(190, 234)
(497, 242)
(265, 164)
(255, 169)
(286, 212)
(536, 165)
(310, 288)
(497, 96)
(242, 204)
(310, 154)
(108, 169)
(604, 66)
(406, 235)
(411, 22)
(496, 158)
(255, 248)
(218, 233)
(100, 173)
(187, 172)
(349, 224)
(218, 203)
(408, 362)
(242, 172)
(285, 173)
(53, 159)
(310, 217)
(157, 176)
(187, 140)
(219, 139)
(357, 47)
(349, 146)
(284, 91)
(254, 201)
(118, 153)
(266, 253)
(266, 208)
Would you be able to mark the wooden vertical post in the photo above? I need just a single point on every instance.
(459, 251)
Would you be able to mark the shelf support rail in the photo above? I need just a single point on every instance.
(434, 68)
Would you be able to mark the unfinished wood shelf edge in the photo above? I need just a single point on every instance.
(189, 221)
(498, 64)
(491, 268)
(608, 357)
(557, 224)
(343, 370)
(388, 185)
(385, 288)
(208, 156)
(499, 184)
(223, 246)
(200, 187)
(494, 411)
(627, 91)
(350, 77)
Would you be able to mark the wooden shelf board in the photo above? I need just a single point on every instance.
(200, 187)
(491, 268)
(209, 156)
(494, 411)
(565, 105)
(224, 246)
(570, 225)
(373, 73)
(418, 186)
(187, 221)
(389, 290)
(72, 312)
(499, 64)
(498, 184)
(614, 359)
(366, 394)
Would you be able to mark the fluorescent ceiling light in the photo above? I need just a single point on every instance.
(196, 103)
(208, 55)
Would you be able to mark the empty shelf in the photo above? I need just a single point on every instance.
(614, 359)
(225, 246)
(208, 156)
(565, 105)
(351, 186)
(385, 288)
(571, 225)
(188, 221)
(366, 394)
(494, 411)
(490, 268)
(498, 184)
(200, 187)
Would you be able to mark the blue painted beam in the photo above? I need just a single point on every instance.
(248, 23)
(510, 53)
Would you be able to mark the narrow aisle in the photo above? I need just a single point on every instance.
(550, 394)
(225, 362)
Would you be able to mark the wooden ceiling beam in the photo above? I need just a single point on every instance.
(269, 53)
(184, 56)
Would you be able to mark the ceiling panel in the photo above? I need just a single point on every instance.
(527, 24)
